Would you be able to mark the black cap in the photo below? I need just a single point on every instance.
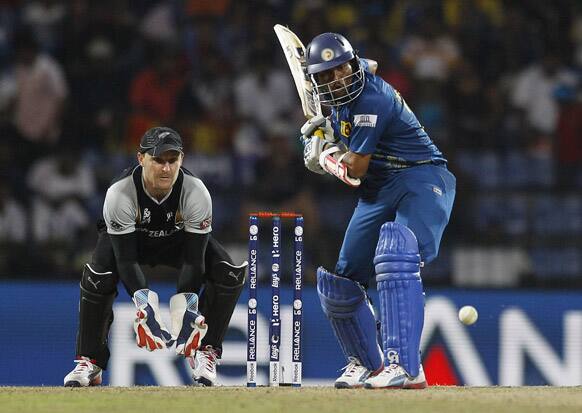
(159, 140)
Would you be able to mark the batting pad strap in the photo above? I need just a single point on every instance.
(397, 265)
(400, 266)
(345, 304)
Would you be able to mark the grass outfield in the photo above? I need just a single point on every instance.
(307, 399)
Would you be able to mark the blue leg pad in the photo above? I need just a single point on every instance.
(346, 305)
(397, 264)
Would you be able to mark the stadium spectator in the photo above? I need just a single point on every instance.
(154, 92)
(431, 54)
(60, 184)
(264, 93)
(533, 92)
(41, 91)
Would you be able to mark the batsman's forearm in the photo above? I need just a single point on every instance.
(357, 164)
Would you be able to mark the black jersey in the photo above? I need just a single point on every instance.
(129, 208)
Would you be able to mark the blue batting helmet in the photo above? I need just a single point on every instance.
(327, 51)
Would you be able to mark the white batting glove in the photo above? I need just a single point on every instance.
(321, 123)
(312, 149)
(150, 331)
(188, 325)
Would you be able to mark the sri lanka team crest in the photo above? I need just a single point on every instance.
(345, 128)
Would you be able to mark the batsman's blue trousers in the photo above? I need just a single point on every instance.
(420, 197)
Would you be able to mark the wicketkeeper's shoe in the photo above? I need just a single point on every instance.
(353, 376)
(395, 377)
(85, 374)
(203, 365)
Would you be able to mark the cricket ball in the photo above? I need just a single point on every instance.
(468, 315)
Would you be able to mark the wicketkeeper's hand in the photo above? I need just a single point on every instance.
(150, 331)
(188, 325)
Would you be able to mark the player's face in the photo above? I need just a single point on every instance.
(160, 172)
(336, 79)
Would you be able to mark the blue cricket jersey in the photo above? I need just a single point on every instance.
(379, 122)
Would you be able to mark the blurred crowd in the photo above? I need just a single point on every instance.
(497, 85)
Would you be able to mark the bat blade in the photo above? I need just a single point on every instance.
(295, 54)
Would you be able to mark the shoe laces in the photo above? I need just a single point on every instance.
(352, 367)
(83, 364)
(209, 357)
(396, 368)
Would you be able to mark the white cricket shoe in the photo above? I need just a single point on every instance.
(395, 377)
(85, 374)
(353, 376)
(203, 365)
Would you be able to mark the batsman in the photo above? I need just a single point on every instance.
(374, 142)
(157, 213)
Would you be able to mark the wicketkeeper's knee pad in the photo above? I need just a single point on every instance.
(345, 304)
(219, 299)
(397, 264)
(98, 281)
(229, 275)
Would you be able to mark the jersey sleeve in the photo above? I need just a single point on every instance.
(371, 115)
(196, 206)
(120, 208)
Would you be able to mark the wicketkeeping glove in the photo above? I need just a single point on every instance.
(150, 330)
(188, 325)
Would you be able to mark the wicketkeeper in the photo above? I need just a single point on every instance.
(157, 213)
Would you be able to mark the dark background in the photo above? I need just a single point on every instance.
(495, 83)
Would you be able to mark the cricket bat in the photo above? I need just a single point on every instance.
(295, 55)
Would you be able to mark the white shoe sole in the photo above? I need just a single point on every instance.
(96, 381)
